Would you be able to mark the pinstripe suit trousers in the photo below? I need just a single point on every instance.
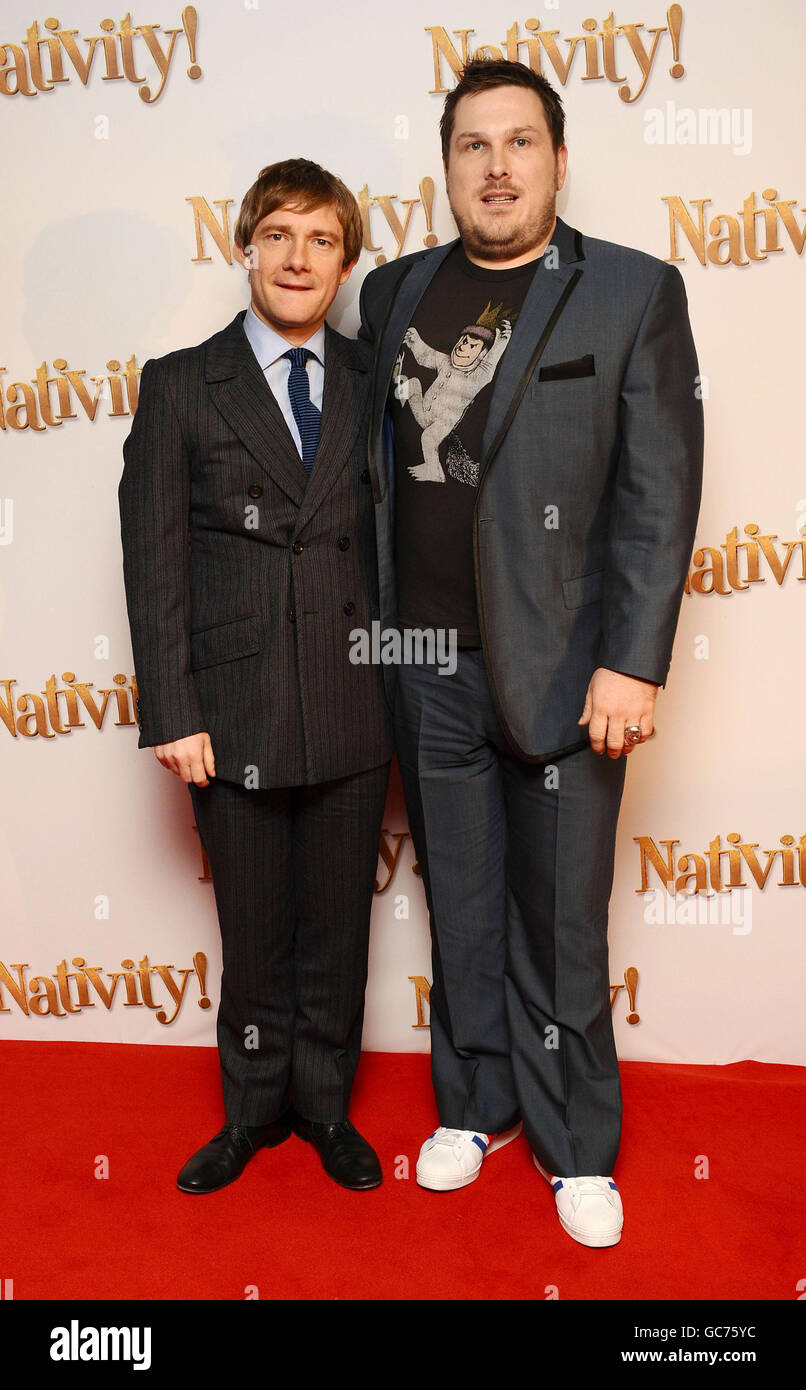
(293, 873)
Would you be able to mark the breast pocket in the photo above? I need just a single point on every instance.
(225, 641)
(568, 371)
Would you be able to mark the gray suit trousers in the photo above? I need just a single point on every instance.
(517, 863)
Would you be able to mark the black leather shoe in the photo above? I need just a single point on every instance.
(346, 1157)
(223, 1160)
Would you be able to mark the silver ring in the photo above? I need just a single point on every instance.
(632, 734)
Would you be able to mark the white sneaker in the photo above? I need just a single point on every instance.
(589, 1209)
(452, 1158)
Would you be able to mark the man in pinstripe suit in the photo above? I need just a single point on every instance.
(247, 524)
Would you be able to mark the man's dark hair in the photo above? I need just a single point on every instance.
(304, 186)
(482, 74)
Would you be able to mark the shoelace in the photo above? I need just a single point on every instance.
(578, 1188)
(451, 1137)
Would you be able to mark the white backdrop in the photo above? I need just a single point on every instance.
(108, 255)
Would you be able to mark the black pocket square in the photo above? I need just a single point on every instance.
(560, 371)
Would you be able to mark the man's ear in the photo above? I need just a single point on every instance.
(244, 256)
(561, 166)
(347, 270)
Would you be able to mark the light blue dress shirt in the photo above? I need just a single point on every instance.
(269, 349)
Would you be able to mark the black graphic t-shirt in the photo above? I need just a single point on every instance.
(439, 399)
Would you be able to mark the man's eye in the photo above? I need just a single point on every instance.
(475, 145)
(521, 140)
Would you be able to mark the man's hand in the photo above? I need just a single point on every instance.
(190, 758)
(612, 704)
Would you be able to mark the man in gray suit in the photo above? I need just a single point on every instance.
(536, 458)
(249, 556)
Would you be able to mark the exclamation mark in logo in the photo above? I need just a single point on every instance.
(631, 981)
(205, 876)
(674, 14)
(190, 20)
(6, 1289)
(427, 195)
(200, 962)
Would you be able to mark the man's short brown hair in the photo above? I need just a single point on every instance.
(482, 74)
(302, 185)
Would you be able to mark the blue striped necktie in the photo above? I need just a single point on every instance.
(307, 416)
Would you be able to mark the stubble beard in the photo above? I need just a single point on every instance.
(502, 244)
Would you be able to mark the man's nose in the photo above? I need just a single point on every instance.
(497, 162)
(296, 257)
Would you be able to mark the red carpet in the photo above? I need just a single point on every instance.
(287, 1229)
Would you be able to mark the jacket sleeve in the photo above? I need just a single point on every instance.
(657, 488)
(153, 497)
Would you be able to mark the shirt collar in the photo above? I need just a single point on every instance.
(268, 346)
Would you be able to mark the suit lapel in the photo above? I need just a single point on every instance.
(242, 395)
(346, 381)
(544, 303)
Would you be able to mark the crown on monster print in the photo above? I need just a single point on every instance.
(491, 318)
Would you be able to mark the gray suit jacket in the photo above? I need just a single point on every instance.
(594, 412)
(243, 577)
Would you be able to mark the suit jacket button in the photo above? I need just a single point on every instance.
(365, 476)
(349, 608)
(256, 490)
(298, 547)
(292, 617)
(344, 542)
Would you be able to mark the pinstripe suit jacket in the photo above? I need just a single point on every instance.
(243, 577)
